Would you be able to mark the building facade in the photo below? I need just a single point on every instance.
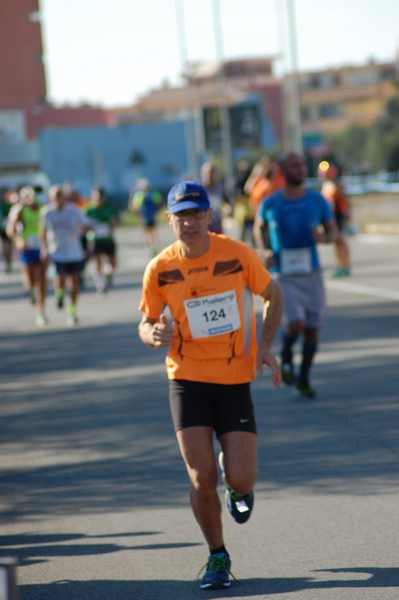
(22, 73)
(335, 99)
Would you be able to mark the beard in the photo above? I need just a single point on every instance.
(294, 180)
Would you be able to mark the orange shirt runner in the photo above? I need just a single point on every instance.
(334, 193)
(263, 188)
(210, 300)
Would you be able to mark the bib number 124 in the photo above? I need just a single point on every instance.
(214, 315)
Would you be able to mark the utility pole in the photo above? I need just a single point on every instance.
(291, 89)
(189, 129)
(227, 149)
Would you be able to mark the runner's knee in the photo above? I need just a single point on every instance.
(295, 327)
(311, 334)
(241, 483)
(203, 481)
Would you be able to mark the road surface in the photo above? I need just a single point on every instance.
(93, 492)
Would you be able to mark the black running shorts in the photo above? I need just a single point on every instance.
(69, 268)
(222, 407)
(105, 246)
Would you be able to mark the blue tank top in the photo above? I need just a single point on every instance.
(291, 223)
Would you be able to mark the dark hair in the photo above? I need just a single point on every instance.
(100, 190)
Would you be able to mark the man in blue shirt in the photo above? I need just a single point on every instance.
(289, 225)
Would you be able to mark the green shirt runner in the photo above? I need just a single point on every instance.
(103, 218)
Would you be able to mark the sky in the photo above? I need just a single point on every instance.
(111, 52)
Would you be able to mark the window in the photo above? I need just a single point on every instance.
(329, 110)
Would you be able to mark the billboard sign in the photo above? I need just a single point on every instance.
(245, 126)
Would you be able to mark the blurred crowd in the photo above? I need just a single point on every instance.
(30, 228)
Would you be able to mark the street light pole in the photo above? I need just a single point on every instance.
(292, 127)
(227, 149)
(189, 131)
(294, 96)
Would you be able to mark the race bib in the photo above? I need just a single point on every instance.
(296, 261)
(33, 242)
(102, 231)
(213, 315)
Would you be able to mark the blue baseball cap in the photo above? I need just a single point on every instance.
(187, 194)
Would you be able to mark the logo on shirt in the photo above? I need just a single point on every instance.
(227, 267)
(170, 277)
(197, 270)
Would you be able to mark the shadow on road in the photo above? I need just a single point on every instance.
(148, 590)
(31, 549)
(94, 402)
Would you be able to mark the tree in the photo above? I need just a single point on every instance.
(387, 129)
(376, 146)
(350, 147)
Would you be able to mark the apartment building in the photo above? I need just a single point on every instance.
(334, 99)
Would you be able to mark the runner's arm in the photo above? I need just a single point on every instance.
(272, 310)
(328, 233)
(261, 237)
(43, 239)
(13, 219)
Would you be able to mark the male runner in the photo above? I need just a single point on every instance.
(62, 227)
(295, 220)
(207, 280)
(102, 215)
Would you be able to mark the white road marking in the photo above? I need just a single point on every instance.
(354, 288)
(374, 238)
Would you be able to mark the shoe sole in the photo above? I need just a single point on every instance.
(240, 520)
(221, 464)
(220, 586)
(242, 517)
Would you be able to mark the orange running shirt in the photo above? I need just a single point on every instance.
(210, 300)
(334, 193)
(263, 188)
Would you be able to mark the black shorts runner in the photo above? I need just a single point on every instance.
(104, 246)
(223, 407)
(69, 268)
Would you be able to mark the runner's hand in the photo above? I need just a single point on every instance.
(162, 332)
(266, 358)
(267, 257)
(319, 235)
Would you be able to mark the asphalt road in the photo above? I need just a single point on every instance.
(94, 495)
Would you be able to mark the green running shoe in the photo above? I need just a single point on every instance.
(341, 272)
(217, 573)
